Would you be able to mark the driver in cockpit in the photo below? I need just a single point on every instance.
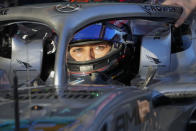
(101, 54)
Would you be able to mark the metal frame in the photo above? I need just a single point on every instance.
(65, 24)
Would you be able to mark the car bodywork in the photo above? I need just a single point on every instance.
(167, 103)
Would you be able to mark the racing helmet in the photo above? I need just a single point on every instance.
(99, 53)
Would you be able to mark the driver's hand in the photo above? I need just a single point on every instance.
(187, 5)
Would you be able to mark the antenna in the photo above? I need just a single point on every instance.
(16, 107)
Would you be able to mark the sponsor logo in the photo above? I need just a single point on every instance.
(154, 60)
(3, 11)
(27, 65)
(69, 7)
(149, 9)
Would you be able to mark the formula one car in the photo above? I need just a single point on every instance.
(97, 67)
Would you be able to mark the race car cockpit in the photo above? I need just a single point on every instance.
(121, 51)
(130, 43)
(99, 53)
(96, 66)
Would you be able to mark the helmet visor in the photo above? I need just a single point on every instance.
(94, 42)
(97, 32)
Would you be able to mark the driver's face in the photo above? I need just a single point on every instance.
(89, 52)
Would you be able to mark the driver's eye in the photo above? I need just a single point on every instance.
(77, 50)
(100, 47)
